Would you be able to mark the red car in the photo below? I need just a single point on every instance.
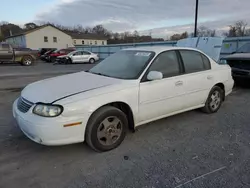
(52, 57)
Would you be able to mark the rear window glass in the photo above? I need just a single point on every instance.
(206, 62)
(192, 60)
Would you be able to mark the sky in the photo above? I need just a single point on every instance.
(159, 17)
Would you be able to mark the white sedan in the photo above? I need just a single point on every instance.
(78, 56)
(129, 88)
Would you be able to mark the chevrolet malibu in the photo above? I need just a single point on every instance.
(129, 88)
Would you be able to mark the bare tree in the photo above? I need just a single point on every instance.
(179, 36)
(203, 31)
(135, 33)
(29, 26)
(247, 32)
(238, 29)
(4, 23)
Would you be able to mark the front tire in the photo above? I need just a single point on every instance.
(214, 100)
(27, 61)
(52, 59)
(106, 129)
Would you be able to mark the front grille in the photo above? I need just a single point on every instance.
(24, 105)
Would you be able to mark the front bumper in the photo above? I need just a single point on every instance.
(62, 60)
(49, 131)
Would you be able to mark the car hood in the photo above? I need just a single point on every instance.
(238, 56)
(62, 56)
(53, 89)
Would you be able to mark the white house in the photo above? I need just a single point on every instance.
(88, 39)
(49, 36)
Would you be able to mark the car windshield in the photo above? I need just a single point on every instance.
(244, 49)
(72, 53)
(56, 51)
(125, 64)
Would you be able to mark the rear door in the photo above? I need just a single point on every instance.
(198, 77)
(85, 56)
(6, 52)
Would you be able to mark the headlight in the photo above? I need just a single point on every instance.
(47, 110)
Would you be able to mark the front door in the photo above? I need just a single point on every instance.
(162, 97)
(77, 57)
(6, 53)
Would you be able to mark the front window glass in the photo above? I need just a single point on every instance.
(167, 63)
(125, 64)
(72, 53)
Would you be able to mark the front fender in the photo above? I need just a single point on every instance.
(86, 107)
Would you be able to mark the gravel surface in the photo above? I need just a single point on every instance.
(190, 150)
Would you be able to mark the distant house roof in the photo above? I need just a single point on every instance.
(32, 30)
(72, 34)
(87, 36)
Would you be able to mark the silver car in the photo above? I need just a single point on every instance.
(79, 56)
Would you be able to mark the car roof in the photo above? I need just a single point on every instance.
(159, 49)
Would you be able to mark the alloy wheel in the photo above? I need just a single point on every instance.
(109, 131)
(215, 100)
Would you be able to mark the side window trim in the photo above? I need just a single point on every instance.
(144, 77)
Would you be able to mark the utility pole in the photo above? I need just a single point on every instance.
(196, 18)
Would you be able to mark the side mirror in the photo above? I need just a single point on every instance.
(154, 75)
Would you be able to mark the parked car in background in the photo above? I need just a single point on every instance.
(127, 89)
(79, 56)
(52, 57)
(42, 51)
(22, 56)
(45, 56)
(239, 61)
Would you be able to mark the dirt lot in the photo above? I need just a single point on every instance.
(190, 150)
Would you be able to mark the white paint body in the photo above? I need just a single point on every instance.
(87, 92)
(82, 58)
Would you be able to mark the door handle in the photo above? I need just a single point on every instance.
(209, 77)
(179, 83)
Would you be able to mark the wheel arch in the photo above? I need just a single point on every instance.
(124, 107)
(222, 86)
(28, 55)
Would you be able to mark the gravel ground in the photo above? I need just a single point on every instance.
(190, 150)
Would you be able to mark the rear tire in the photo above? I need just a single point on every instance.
(106, 129)
(214, 100)
(27, 60)
(92, 61)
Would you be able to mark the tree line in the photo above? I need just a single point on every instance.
(8, 29)
(238, 29)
